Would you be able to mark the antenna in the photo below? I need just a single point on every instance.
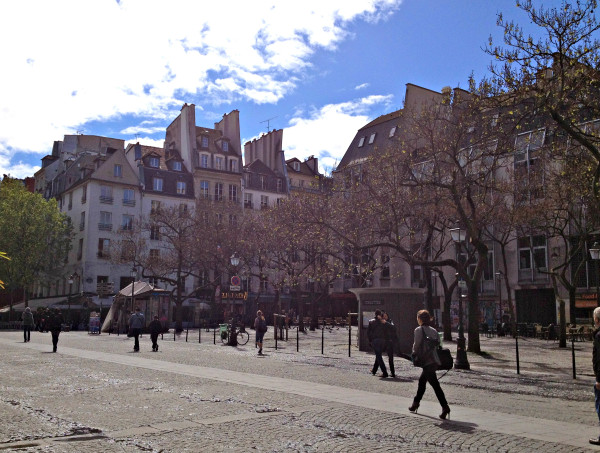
(268, 121)
(79, 132)
(137, 137)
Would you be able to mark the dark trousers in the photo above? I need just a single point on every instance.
(597, 399)
(378, 347)
(428, 375)
(55, 334)
(390, 353)
(154, 338)
(135, 333)
(26, 333)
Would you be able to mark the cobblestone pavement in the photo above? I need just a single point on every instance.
(96, 395)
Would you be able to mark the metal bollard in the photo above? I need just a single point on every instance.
(573, 354)
(276, 337)
(215, 335)
(187, 330)
(517, 351)
(322, 338)
(200, 335)
(174, 331)
(349, 338)
(298, 339)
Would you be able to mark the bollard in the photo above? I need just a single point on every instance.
(275, 327)
(573, 354)
(215, 335)
(200, 335)
(349, 338)
(297, 339)
(322, 338)
(187, 330)
(174, 331)
(517, 351)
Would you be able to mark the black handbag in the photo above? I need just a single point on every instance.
(446, 360)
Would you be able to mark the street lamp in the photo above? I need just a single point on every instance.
(462, 363)
(133, 274)
(595, 254)
(235, 261)
(499, 275)
(69, 298)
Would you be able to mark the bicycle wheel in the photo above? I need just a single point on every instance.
(225, 337)
(242, 338)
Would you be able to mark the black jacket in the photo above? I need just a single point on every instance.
(375, 330)
(55, 322)
(596, 354)
(155, 327)
(391, 335)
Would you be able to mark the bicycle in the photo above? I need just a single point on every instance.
(242, 336)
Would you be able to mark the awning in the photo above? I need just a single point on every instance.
(36, 303)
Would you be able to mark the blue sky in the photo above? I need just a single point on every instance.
(320, 70)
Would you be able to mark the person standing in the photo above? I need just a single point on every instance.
(155, 328)
(596, 366)
(27, 323)
(376, 336)
(260, 326)
(136, 322)
(55, 323)
(425, 337)
(391, 337)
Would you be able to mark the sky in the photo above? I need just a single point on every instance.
(319, 70)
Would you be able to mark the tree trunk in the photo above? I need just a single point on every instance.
(446, 321)
(473, 308)
(562, 337)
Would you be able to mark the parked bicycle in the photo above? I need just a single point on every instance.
(241, 335)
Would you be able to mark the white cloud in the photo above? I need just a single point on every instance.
(327, 132)
(361, 86)
(72, 62)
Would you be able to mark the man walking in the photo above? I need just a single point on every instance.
(55, 326)
(376, 336)
(136, 322)
(391, 337)
(155, 328)
(27, 323)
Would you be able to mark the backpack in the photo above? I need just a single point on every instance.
(262, 325)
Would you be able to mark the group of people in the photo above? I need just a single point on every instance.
(136, 324)
(53, 321)
(382, 336)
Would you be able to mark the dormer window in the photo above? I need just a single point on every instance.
(392, 131)
(204, 141)
(296, 166)
(154, 162)
(225, 146)
(118, 171)
(361, 142)
(372, 138)
(177, 166)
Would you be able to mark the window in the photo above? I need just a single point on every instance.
(219, 191)
(154, 233)
(154, 206)
(361, 142)
(264, 283)
(392, 131)
(233, 165)
(106, 194)
(157, 184)
(103, 248)
(263, 182)
(80, 249)
(248, 200)
(219, 163)
(127, 222)
(84, 194)
(181, 187)
(279, 185)
(385, 264)
(296, 166)
(117, 171)
(203, 189)
(232, 220)
(154, 162)
(183, 209)
(204, 141)
(528, 167)
(204, 160)
(532, 255)
(128, 197)
(82, 221)
(154, 254)
(70, 200)
(264, 202)
(177, 166)
(105, 220)
(233, 193)
(372, 138)
(225, 145)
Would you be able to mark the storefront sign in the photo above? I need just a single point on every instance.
(586, 300)
(243, 295)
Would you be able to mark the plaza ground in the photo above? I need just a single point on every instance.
(95, 394)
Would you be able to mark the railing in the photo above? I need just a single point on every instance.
(81, 226)
(127, 202)
(106, 200)
(103, 255)
(105, 226)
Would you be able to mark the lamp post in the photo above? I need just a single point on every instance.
(595, 254)
(462, 363)
(133, 274)
(235, 261)
(71, 277)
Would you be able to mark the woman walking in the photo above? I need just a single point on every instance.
(426, 340)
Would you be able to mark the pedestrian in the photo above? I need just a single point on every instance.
(426, 340)
(55, 322)
(27, 323)
(136, 322)
(155, 328)
(596, 365)
(391, 337)
(376, 336)
(260, 326)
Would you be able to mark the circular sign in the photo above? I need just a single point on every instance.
(236, 281)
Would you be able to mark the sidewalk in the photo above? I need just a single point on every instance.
(237, 368)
